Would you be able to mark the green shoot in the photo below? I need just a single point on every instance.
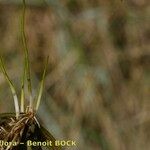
(27, 64)
(11, 87)
(41, 86)
(22, 91)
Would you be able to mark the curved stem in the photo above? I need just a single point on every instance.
(16, 103)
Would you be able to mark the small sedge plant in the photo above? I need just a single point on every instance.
(21, 126)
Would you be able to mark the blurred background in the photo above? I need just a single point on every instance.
(97, 83)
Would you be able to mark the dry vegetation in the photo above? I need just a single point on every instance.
(97, 85)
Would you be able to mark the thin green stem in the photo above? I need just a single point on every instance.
(27, 64)
(16, 103)
(22, 91)
(41, 86)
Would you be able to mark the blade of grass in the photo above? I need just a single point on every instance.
(16, 103)
(27, 64)
(22, 91)
(41, 86)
